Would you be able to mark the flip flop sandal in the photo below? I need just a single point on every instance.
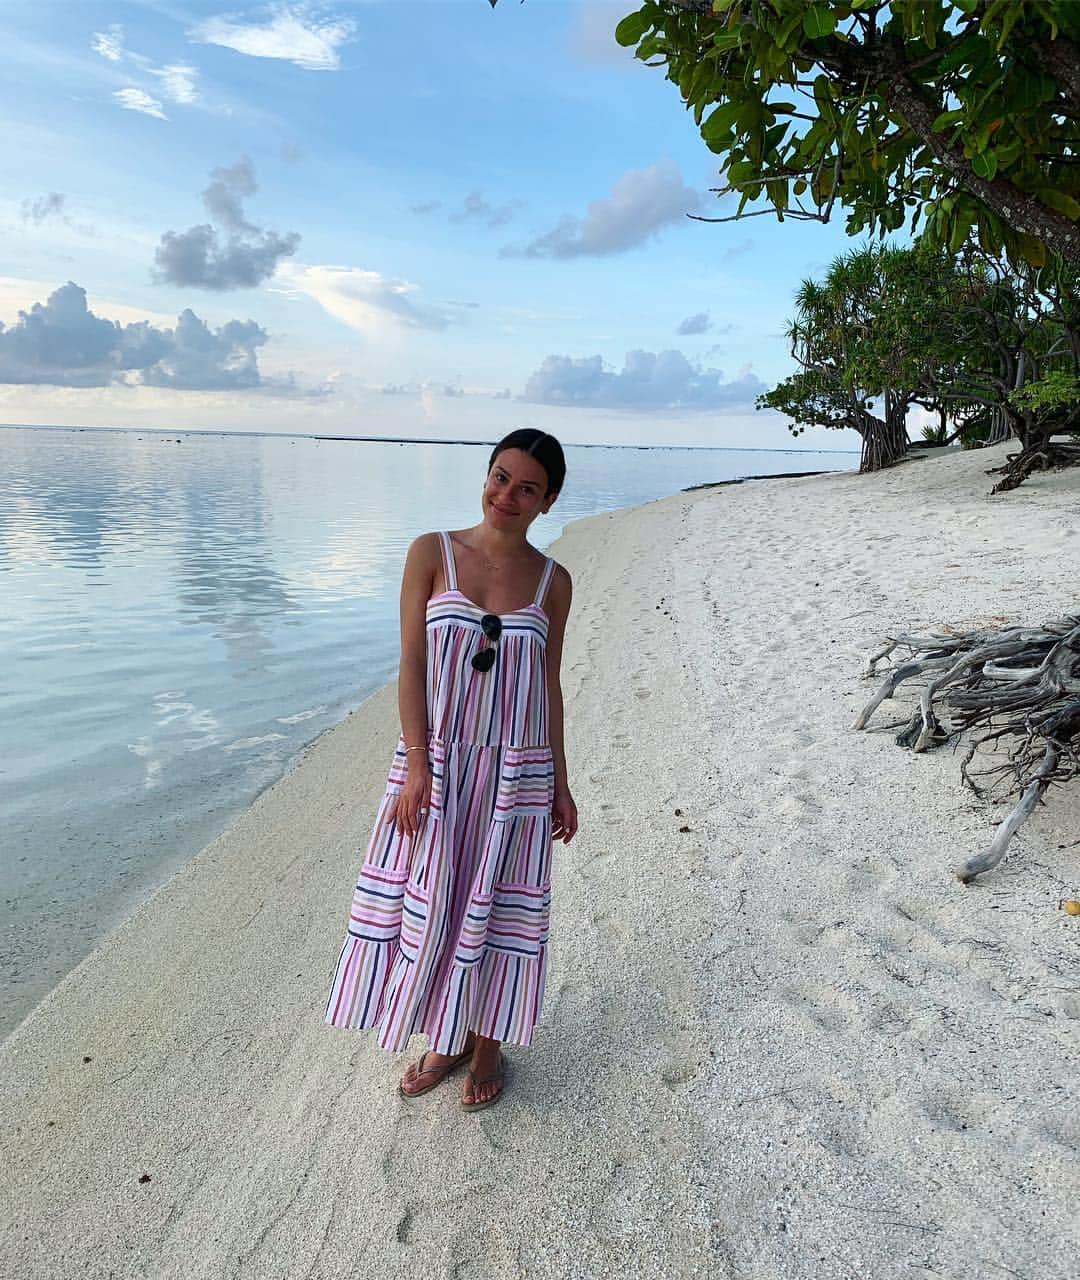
(440, 1073)
(500, 1075)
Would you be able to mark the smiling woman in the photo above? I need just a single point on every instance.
(448, 927)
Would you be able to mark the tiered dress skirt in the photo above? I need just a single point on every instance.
(448, 930)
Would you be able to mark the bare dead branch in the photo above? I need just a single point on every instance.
(1015, 689)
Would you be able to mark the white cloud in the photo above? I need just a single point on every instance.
(177, 82)
(366, 301)
(110, 44)
(291, 34)
(140, 100)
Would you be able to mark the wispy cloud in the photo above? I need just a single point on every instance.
(737, 250)
(140, 100)
(233, 253)
(110, 44)
(36, 211)
(648, 380)
(475, 208)
(699, 323)
(177, 82)
(431, 387)
(366, 301)
(642, 202)
(292, 33)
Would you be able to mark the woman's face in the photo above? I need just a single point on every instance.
(514, 491)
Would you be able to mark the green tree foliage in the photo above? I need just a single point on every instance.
(961, 114)
(994, 350)
(870, 333)
(1058, 390)
(1011, 361)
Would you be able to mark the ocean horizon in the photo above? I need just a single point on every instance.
(380, 439)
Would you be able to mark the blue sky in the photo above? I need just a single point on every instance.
(432, 220)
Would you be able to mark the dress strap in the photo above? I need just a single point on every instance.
(449, 567)
(545, 578)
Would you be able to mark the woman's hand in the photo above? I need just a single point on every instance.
(563, 816)
(406, 806)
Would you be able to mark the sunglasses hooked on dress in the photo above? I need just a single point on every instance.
(491, 625)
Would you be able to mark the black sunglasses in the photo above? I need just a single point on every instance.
(491, 625)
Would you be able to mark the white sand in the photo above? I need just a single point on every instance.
(784, 1043)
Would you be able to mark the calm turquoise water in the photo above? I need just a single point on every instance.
(180, 614)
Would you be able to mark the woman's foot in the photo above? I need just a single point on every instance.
(486, 1076)
(431, 1070)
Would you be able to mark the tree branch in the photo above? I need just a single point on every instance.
(1018, 208)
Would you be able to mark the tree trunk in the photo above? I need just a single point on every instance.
(882, 443)
(1000, 426)
(896, 411)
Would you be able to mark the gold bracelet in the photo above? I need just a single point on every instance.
(408, 749)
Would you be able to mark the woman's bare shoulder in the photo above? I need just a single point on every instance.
(561, 588)
(422, 562)
(425, 546)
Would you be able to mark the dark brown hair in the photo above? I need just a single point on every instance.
(539, 445)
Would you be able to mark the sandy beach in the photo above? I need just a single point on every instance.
(780, 1040)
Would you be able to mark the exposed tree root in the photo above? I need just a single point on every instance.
(1045, 455)
(1015, 686)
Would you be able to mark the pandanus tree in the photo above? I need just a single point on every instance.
(863, 338)
(991, 349)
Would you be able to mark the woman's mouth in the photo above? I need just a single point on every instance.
(503, 510)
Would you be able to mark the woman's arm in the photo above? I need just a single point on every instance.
(416, 587)
(557, 604)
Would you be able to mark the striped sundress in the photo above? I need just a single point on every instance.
(448, 930)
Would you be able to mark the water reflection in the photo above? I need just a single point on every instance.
(226, 577)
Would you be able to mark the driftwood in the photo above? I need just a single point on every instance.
(1016, 688)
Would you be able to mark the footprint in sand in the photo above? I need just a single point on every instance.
(679, 1073)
